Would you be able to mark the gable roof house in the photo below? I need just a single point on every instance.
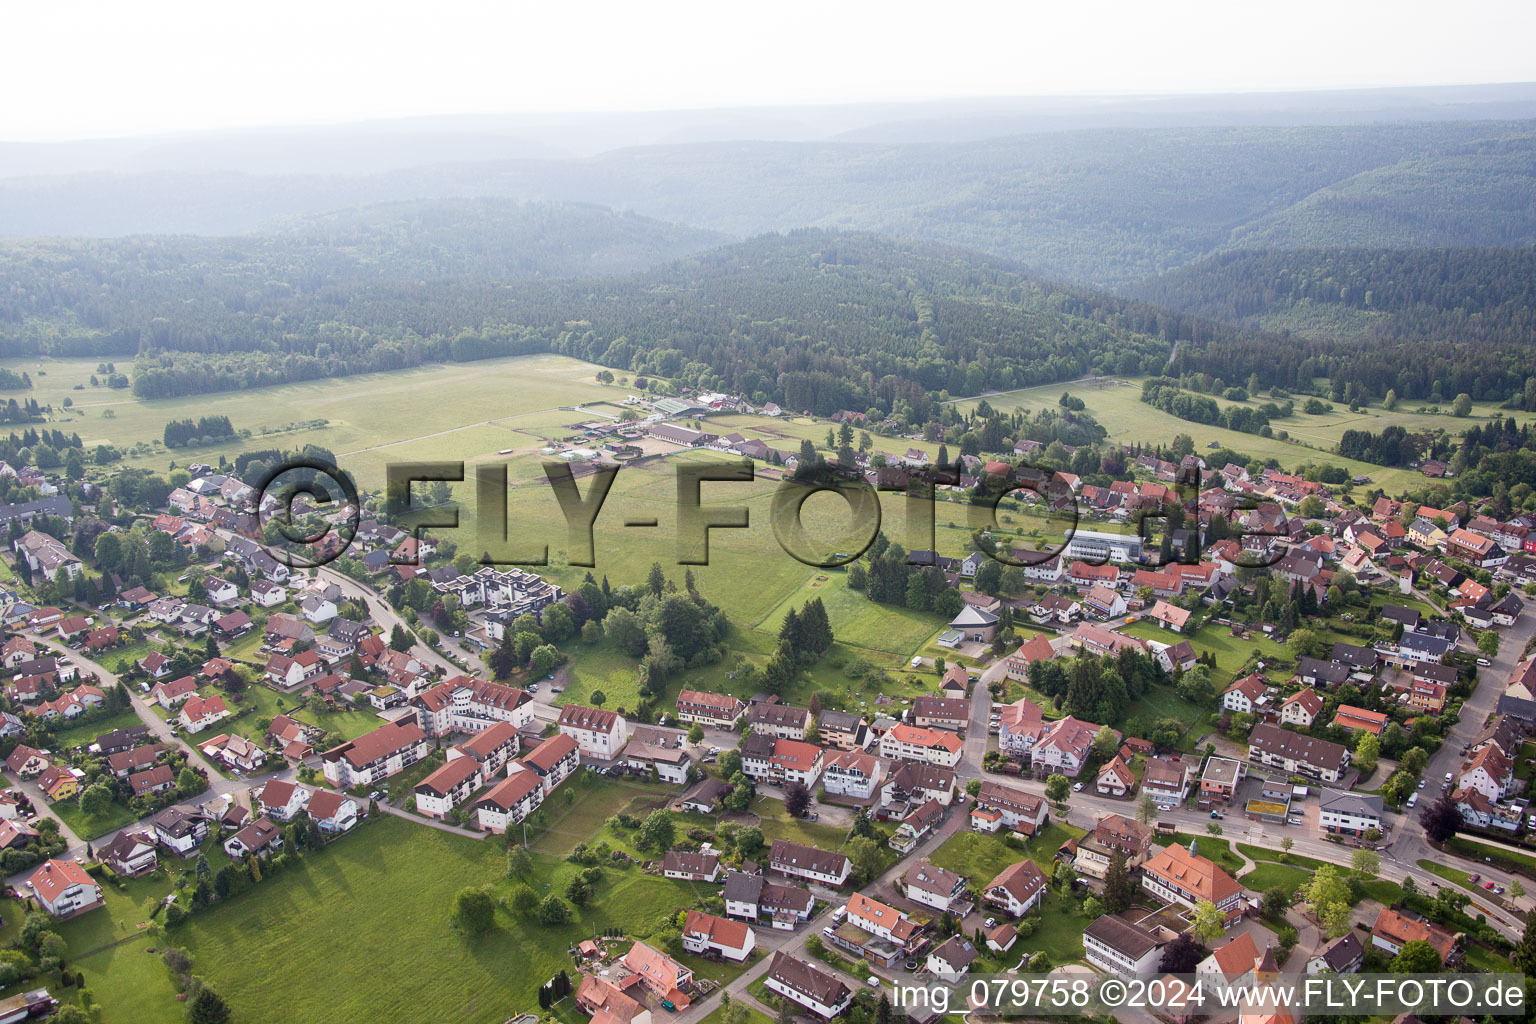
(1017, 889)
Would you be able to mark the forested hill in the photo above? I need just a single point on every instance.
(1105, 208)
(813, 320)
(1354, 295)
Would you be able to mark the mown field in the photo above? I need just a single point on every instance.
(1314, 438)
(308, 943)
(478, 410)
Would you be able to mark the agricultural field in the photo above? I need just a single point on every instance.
(1313, 438)
(493, 407)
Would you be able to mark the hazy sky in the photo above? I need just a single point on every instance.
(85, 69)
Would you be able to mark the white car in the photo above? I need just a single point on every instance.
(1078, 788)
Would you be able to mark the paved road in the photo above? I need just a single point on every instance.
(220, 783)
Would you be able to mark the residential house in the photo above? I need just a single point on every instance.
(1218, 782)
(1015, 809)
(821, 992)
(781, 761)
(1167, 780)
(843, 730)
(130, 853)
(1064, 747)
(712, 710)
(1352, 719)
(279, 800)
(64, 888)
(1114, 833)
(510, 801)
(749, 896)
(1116, 779)
(852, 773)
(691, 866)
(783, 721)
(706, 933)
(952, 959)
(199, 713)
(916, 825)
(1245, 695)
(1017, 889)
(180, 829)
(1301, 709)
(934, 887)
(1344, 955)
(930, 712)
(332, 812)
(376, 755)
(552, 760)
(808, 862)
(152, 780)
(170, 695)
(662, 976)
(450, 785)
(906, 742)
(1295, 754)
(1394, 929)
(260, 838)
(1019, 726)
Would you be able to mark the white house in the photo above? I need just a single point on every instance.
(198, 713)
(375, 756)
(852, 773)
(1017, 889)
(447, 787)
(599, 734)
(1115, 945)
(808, 862)
(64, 888)
(821, 992)
(933, 746)
(951, 960)
(706, 933)
(934, 887)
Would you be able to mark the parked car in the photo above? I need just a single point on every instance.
(1293, 821)
(1475, 877)
(1077, 787)
(1484, 662)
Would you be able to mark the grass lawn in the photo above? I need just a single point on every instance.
(1314, 438)
(1478, 851)
(1058, 930)
(858, 622)
(1163, 702)
(566, 820)
(81, 733)
(980, 858)
(777, 824)
(1268, 875)
(90, 826)
(717, 1016)
(390, 878)
(1453, 875)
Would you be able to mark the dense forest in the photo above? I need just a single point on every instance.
(1103, 207)
(813, 320)
(1463, 294)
